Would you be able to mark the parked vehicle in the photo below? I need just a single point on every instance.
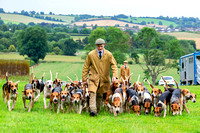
(168, 79)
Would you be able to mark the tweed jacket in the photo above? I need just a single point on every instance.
(99, 71)
(124, 72)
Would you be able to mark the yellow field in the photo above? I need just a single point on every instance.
(186, 36)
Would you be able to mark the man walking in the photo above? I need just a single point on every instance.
(124, 71)
(97, 65)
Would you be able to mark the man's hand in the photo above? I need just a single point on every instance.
(84, 83)
(113, 79)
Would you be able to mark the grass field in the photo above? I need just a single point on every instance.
(16, 18)
(63, 58)
(186, 36)
(62, 62)
(156, 21)
(65, 18)
(41, 120)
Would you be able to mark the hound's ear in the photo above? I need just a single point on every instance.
(9, 88)
(132, 107)
(32, 82)
(71, 98)
(24, 92)
(160, 91)
(55, 81)
(33, 90)
(111, 86)
(160, 110)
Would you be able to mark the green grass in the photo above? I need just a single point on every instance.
(41, 120)
(16, 18)
(70, 62)
(16, 56)
(156, 21)
(65, 18)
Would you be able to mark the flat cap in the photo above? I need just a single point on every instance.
(125, 61)
(100, 41)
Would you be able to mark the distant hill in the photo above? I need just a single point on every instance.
(113, 23)
(17, 18)
(186, 36)
(150, 20)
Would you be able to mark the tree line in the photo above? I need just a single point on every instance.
(36, 41)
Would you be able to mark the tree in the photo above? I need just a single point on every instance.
(155, 52)
(1, 22)
(1, 47)
(1, 10)
(33, 43)
(160, 23)
(143, 23)
(5, 42)
(85, 31)
(4, 27)
(60, 35)
(56, 50)
(116, 40)
(8, 34)
(135, 57)
(85, 40)
(69, 47)
(12, 48)
(188, 48)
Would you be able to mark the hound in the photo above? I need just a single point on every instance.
(10, 90)
(47, 90)
(28, 94)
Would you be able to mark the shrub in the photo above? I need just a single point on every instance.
(56, 50)
(12, 48)
(130, 62)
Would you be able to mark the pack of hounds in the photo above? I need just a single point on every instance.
(122, 97)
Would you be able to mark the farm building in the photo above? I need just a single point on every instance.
(190, 69)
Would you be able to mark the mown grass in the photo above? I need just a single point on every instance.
(41, 120)
(70, 65)
(16, 56)
(16, 18)
(156, 21)
(65, 18)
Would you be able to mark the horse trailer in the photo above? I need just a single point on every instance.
(190, 69)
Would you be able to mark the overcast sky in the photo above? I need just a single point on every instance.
(151, 8)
